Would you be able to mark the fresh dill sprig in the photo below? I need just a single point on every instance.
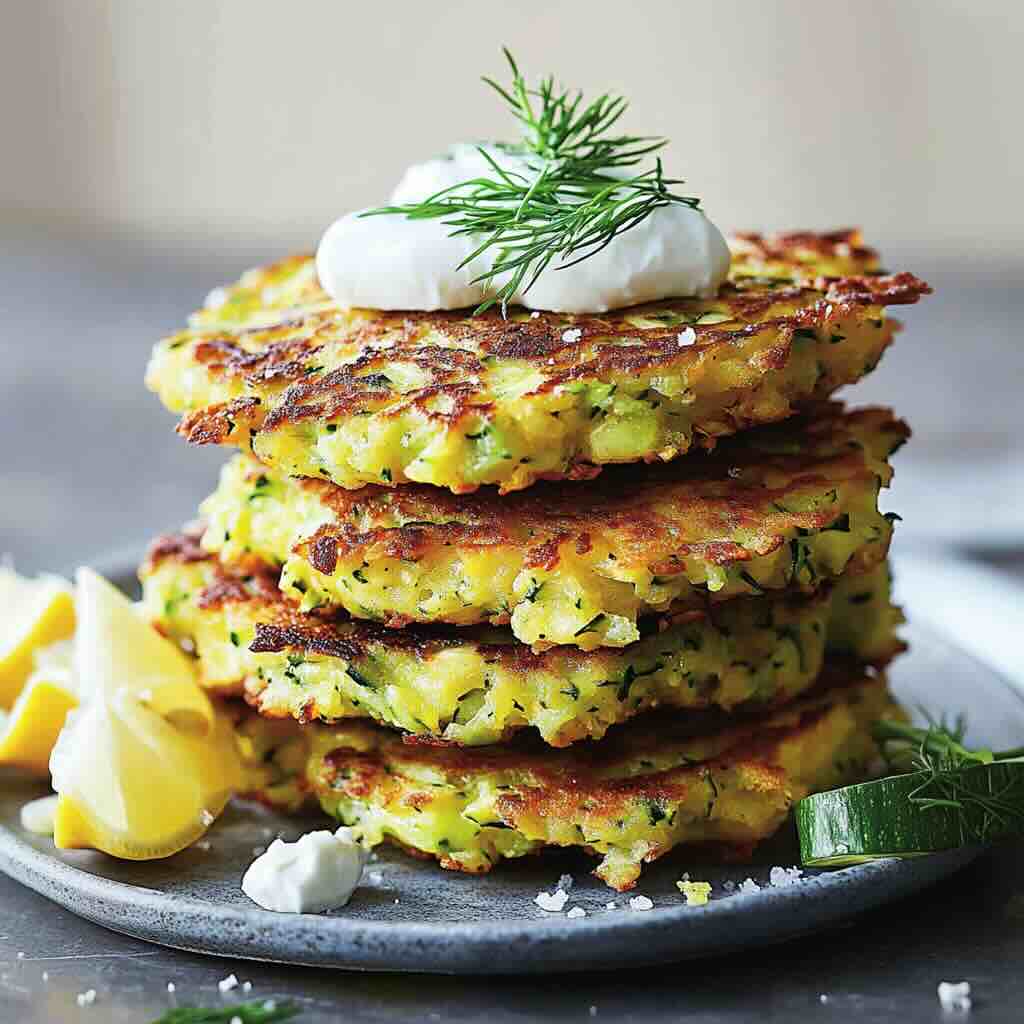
(937, 751)
(575, 200)
(265, 1011)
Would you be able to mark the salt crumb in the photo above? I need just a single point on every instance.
(534, 314)
(823, 998)
(565, 882)
(203, 844)
(696, 893)
(553, 902)
(576, 912)
(687, 337)
(641, 903)
(206, 817)
(749, 885)
(611, 905)
(228, 983)
(171, 986)
(86, 998)
(955, 995)
(396, 901)
(216, 298)
(783, 877)
(246, 986)
(572, 335)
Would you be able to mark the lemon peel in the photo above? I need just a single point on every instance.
(33, 613)
(146, 763)
(31, 730)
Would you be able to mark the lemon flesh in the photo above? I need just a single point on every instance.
(38, 716)
(135, 786)
(115, 650)
(145, 764)
(33, 614)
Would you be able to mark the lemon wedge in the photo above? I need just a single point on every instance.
(33, 614)
(32, 728)
(133, 785)
(146, 763)
(116, 649)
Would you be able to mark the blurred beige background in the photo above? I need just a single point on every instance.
(244, 120)
(151, 149)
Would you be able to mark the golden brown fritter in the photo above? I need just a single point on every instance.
(646, 788)
(457, 401)
(785, 506)
(477, 685)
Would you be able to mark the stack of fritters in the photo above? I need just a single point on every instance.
(452, 544)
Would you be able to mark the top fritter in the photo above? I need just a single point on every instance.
(457, 401)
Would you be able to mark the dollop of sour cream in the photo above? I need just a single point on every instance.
(391, 262)
(318, 872)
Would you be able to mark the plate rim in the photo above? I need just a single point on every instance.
(543, 944)
(877, 883)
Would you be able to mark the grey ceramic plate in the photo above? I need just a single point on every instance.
(411, 916)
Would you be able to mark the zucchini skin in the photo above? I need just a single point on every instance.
(879, 819)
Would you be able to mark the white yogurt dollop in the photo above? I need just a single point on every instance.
(318, 872)
(390, 262)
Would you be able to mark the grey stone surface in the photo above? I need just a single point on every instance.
(90, 462)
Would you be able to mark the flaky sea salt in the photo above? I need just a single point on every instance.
(576, 912)
(955, 995)
(553, 902)
(572, 335)
(749, 885)
(687, 337)
(780, 878)
(641, 903)
(228, 983)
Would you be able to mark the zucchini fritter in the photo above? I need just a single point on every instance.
(784, 506)
(364, 396)
(477, 685)
(647, 787)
